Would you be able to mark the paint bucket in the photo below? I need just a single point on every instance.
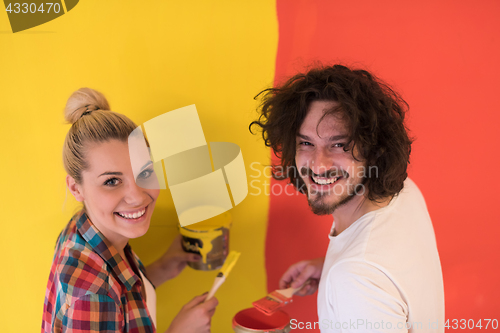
(210, 239)
(253, 321)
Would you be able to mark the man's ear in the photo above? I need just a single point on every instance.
(74, 188)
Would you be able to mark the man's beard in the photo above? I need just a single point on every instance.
(320, 207)
(318, 204)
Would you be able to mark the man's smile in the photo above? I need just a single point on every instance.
(324, 180)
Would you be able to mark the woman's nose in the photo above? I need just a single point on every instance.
(135, 195)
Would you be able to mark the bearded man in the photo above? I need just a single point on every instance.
(342, 140)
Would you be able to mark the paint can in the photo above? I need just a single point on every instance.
(209, 239)
(253, 321)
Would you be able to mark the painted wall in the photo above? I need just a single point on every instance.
(442, 56)
(149, 59)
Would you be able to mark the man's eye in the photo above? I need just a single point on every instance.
(145, 174)
(339, 145)
(305, 143)
(112, 182)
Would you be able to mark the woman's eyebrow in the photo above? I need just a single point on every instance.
(145, 165)
(111, 173)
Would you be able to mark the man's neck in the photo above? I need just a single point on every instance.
(349, 213)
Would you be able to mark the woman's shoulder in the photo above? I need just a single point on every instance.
(79, 277)
(82, 271)
(79, 270)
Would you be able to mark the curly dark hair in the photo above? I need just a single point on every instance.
(373, 113)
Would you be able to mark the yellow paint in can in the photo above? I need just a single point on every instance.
(209, 238)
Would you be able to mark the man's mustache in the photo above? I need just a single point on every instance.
(327, 174)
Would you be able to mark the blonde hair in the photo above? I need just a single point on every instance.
(92, 122)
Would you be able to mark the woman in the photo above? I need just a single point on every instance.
(96, 283)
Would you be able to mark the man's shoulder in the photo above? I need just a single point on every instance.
(408, 205)
(411, 194)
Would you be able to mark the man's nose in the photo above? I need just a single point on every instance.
(321, 162)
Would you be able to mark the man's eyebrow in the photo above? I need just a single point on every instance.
(338, 137)
(107, 173)
(332, 138)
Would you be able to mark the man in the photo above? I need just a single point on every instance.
(342, 140)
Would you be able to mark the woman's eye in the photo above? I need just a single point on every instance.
(145, 174)
(305, 143)
(339, 145)
(112, 182)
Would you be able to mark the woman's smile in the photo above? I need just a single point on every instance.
(132, 215)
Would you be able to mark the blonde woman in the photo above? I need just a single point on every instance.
(97, 283)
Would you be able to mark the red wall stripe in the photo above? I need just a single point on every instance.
(443, 58)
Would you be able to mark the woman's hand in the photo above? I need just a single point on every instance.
(195, 316)
(176, 259)
(300, 272)
(173, 261)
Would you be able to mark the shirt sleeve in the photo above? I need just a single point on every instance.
(93, 313)
(362, 298)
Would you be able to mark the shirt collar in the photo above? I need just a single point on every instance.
(108, 252)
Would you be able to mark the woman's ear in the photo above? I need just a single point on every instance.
(74, 188)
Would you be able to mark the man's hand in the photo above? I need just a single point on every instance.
(300, 272)
(195, 316)
(173, 261)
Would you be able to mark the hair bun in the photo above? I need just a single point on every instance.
(75, 106)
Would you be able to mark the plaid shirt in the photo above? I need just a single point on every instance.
(91, 288)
